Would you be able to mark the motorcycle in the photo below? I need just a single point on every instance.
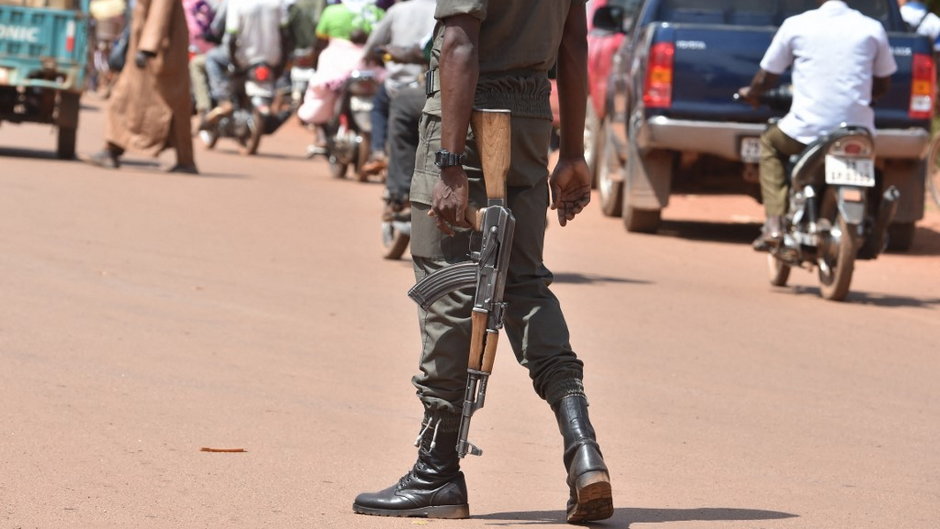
(838, 211)
(252, 115)
(348, 133)
(396, 229)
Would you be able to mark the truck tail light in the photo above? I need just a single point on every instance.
(657, 90)
(922, 87)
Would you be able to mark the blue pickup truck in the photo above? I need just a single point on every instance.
(42, 65)
(672, 126)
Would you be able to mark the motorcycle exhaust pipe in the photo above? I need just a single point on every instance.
(886, 212)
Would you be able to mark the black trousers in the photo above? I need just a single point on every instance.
(403, 117)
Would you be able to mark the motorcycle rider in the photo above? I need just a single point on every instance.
(404, 114)
(403, 26)
(337, 61)
(831, 46)
(257, 32)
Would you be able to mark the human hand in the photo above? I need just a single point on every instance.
(748, 96)
(141, 58)
(449, 200)
(570, 184)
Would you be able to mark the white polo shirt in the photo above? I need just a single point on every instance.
(835, 52)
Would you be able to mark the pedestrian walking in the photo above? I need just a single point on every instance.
(150, 104)
(496, 54)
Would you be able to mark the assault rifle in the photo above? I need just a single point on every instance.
(487, 268)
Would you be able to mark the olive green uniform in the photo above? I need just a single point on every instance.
(518, 45)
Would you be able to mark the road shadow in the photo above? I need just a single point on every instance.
(726, 232)
(869, 298)
(575, 278)
(623, 517)
(36, 154)
(155, 167)
(926, 240)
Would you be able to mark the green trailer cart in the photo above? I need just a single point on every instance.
(43, 56)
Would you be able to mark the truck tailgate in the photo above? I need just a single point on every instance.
(713, 62)
(35, 40)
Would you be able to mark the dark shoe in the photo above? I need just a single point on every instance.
(435, 486)
(588, 479)
(104, 158)
(183, 169)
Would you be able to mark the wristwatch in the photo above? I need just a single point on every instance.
(444, 158)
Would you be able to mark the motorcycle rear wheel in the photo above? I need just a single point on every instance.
(837, 262)
(337, 168)
(256, 130)
(779, 272)
(362, 157)
(394, 241)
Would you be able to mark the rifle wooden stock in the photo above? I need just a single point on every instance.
(482, 344)
(489, 351)
(491, 128)
(477, 340)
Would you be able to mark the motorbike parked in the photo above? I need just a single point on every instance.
(348, 133)
(252, 116)
(838, 209)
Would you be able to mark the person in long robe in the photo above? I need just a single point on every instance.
(150, 106)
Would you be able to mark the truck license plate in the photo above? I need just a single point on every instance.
(845, 171)
(750, 150)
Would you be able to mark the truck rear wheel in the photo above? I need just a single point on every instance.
(593, 142)
(65, 143)
(900, 236)
(641, 220)
(610, 174)
(68, 125)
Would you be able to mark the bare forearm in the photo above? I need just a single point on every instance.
(880, 87)
(572, 84)
(763, 81)
(459, 71)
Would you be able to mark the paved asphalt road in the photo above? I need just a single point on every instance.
(145, 316)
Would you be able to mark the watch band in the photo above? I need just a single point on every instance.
(444, 158)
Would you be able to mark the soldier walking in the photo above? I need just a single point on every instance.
(498, 55)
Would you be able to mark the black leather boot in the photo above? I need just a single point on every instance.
(435, 486)
(588, 479)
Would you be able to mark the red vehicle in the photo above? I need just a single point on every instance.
(602, 49)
